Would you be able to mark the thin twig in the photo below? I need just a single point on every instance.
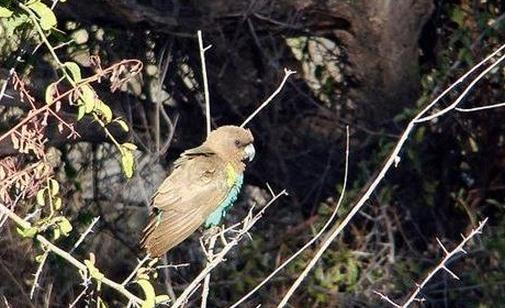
(287, 73)
(393, 159)
(78, 297)
(37, 274)
(315, 238)
(205, 80)
(480, 108)
(88, 230)
(132, 274)
(465, 92)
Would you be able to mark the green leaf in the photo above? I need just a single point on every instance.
(122, 124)
(104, 111)
(81, 112)
(127, 162)
(49, 94)
(56, 234)
(87, 96)
(147, 287)
(129, 146)
(28, 232)
(64, 225)
(54, 187)
(5, 12)
(93, 271)
(458, 16)
(47, 17)
(74, 69)
(40, 197)
(160, 299)
(57, 203)
(40, 258)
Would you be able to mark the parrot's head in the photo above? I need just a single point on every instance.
(232, 143)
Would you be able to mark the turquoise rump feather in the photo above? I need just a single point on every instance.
(215, 217)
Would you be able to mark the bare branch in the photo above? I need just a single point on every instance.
(37, 274)
(205, 81)
(287, 73)
(88, 230)
(206, 282)
(481, 108)
(443, 263)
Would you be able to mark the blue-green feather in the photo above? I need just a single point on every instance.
(215, 217)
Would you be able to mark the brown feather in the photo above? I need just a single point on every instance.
(193, 190)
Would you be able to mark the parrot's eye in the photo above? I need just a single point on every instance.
(237, 142)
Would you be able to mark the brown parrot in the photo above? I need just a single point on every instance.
(204, 183)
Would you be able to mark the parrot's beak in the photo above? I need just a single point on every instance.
(250, 152)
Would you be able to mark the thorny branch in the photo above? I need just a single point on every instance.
(441, 266)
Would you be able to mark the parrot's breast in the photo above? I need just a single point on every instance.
(234, 182)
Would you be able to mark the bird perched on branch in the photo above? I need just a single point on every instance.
(204, 183)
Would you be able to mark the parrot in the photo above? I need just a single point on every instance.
(204, 183)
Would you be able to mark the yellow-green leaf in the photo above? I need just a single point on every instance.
(122, 124)
(47, 17)
(54, 187)
(129, 146)
(40, 198)
(74, 69)
(88, 98)
(56, 234)
(104, 111)
(28, 232)
(57, 203)
(5, 12)
(93, 271)
(64, 226)
(49, 93)
(127, 162)
(80, 112)
(160, 299)
(150, 296)
(40, 258)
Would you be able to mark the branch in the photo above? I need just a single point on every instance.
(206, 282)
(88, 230)
(37, 274)
(441, 266)
(205, 81)
(247, 223)
(393, 159)
(287, 73)
(65, 255)
(480, 108)
(314, 239)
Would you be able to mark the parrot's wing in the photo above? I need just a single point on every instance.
(184, 200)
